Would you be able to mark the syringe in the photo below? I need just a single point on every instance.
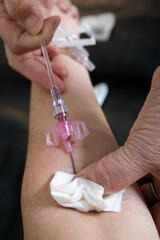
(64, 128)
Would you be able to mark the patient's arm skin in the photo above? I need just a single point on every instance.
(43, 218)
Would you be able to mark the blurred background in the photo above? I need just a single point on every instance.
(126, 63)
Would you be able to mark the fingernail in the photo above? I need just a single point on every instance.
(57, 19)
(33, 24)
(56, 23)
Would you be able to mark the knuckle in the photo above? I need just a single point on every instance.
(154, 155)
(143, 153)
(21, 9)
(13, 7)
(102, 176)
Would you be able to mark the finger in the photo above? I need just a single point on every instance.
(115, 171)
(21, 41)
(60, 71)
(27, 12)
(32, 67)
(35, 70)
(52, 51)
(139, 155)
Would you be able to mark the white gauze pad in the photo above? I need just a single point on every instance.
(83, 194)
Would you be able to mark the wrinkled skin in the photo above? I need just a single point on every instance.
(139, 155)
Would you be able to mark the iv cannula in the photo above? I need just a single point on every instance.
(56, 95)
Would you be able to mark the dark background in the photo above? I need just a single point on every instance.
(126, 63)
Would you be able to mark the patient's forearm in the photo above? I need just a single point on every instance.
(82, 105)
(42, 217)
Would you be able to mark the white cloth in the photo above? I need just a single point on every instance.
(101, 25)
(82, 194)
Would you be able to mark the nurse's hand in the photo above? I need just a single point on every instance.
(20, 22)
(139, 156)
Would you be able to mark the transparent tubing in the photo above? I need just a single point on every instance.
(59, 107)
(64, 128)
(46, 59)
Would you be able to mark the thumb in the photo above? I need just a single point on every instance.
(27, 12)
(117, 170)
(140, 153)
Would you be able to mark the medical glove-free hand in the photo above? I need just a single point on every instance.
(140, 154)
